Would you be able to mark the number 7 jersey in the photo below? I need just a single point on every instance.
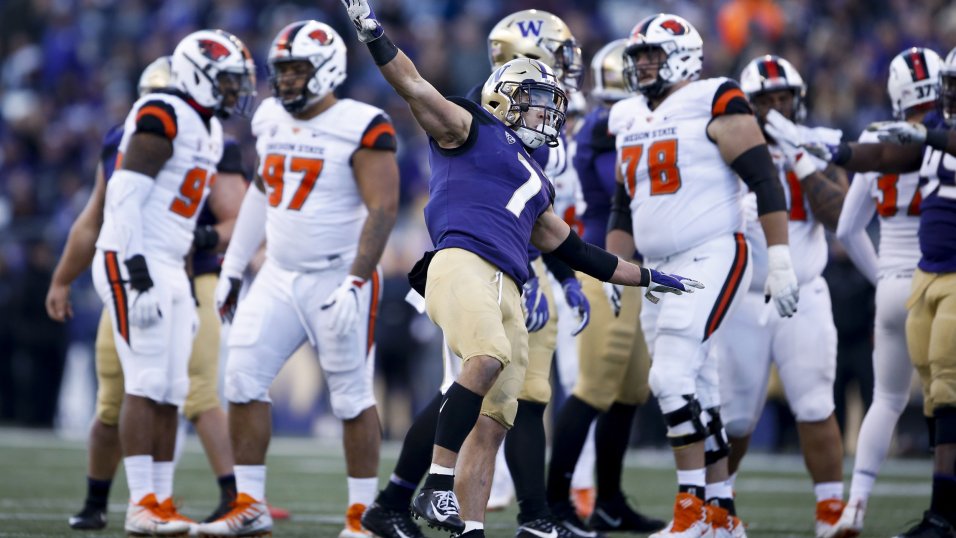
(682, 193)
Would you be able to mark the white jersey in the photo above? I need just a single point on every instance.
(567, 188)
(315, 211)
(682, 192)
(173, 205)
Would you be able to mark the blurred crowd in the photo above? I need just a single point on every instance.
(68, 72)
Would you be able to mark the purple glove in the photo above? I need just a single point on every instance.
(577, 301)
(665, 283)
(535, 306)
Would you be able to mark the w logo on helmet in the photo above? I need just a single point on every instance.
(533, 27)
(213, 50)
(321, 36)
(674, 27)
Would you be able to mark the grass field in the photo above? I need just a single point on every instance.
(42, 483)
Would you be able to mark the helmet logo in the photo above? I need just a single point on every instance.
(213, 50)
(321, 36)
(674, 27)
(533, 27)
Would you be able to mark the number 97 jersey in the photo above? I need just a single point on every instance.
(682, 193)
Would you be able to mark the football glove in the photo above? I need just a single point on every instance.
(790, 141)
(363, 19)
(781, 283)
(658, 281)
(144, 306)
(613, 293)
(342, 306)
(899, 132)
(576, 299)
(536, 313)
(227, 296)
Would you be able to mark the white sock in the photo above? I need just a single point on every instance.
(861, 486)
(732, 481)
(693, 477)
(828, 490)
(139, 476)
(251, 480)
(362, 490)
(163, 479)
(473, 525)
(438, 469)
(719, 490)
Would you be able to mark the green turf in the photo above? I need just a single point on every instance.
(42, 483)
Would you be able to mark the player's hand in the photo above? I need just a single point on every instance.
(342, 305)
(899, 132)
(613, 293)
(536, 313)
(781, 284)
(783, 131)
(363, 19)
(144, 308)
(574, 296)
(661, 282)
(58, 305)
(227, 296)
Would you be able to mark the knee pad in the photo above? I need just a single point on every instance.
(149, 383)
(243, 388)
(716, 445)
(685, 425)
(814, 406)
(945, 418)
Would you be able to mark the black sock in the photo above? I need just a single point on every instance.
(414, 459)
(570, 433)
(944, 491)
(227, 488)
(697, 491)
(439, 481)
(97, 493)
(456, 417)
(524, 452)
(611, 436)
(727, 503)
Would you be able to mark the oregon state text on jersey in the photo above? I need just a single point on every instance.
(181, 187)
(682, 192)
(306, 166)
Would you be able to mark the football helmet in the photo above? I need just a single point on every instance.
(209, 63)
(521, 86)
(539, 35)
(913, 80)
(155, 76)
(607, 68)
(319, 45)
(683, 53)
(770, 73)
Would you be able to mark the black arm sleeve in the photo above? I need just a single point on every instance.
(586, 257)
(558, 268)
(620, 218)
(755, 167)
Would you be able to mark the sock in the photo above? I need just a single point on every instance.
(732, 481)
(414, 458)
(457, 417)
(97, 492)
(163, 479)
(828, 490)
(251, 480)
(570, 432)
(861, 486)
(611, 437)
(692, 481)
(525, 454)
(583, 477)
(139, 476)
(440, 480)
(227, 487)
(474, 526)
(944, 491)
(397, 494)
(721, 494)
(362, 490)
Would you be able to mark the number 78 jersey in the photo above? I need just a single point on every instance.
(682, 193)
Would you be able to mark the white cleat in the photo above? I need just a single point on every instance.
(691, 519)
(851, 520)
(829, 513)
(145, 518)
(248, 517)
(724, 524)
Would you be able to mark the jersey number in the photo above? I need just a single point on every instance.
(661, 166)
(887, 207)
(797, 210)
(273, 169)
(526, 191)
(190, 193)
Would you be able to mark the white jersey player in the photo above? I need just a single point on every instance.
(325, 199)
(171, 145)
(681, 146)
(913, 88)
(754, 339)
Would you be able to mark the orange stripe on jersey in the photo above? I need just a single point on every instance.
(119, 161)
(119, 294)
(731, 284)
(169, 124)
(720, 106)
(371, 136)
(373, 311)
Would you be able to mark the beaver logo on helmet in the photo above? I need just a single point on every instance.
(321, 36)
(674, 27)
(213, 50)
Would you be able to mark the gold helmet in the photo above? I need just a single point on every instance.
(521, 86)
(607, 68)
(539, 35)
(157, 75)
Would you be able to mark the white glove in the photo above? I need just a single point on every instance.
(342, 305)
(227, 296)
(363, 19)
(899, 132)
(781, 283)
(144, 309)
(790, 140)
(613, 293)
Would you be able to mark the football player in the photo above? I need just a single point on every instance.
(681, 145)
(171, 143)
(913, 86)
(613, 359)
(481, 219)
(325, 200)
(752, 338)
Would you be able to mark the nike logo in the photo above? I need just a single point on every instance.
(438, 515)
(614, 522)
(442, 406)
(542, 534)
(247, 521)
(700, 258)
(399, 532)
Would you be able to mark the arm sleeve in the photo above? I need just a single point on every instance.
(126, 193)
(158, 118)
(857, 211)
(558, 268)
(248, 234)
(755, 167)
(231, 162)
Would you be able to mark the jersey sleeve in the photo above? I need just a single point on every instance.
(729, 99)
(379, 134)
(601, 138)
(157, 117)
(231, 162)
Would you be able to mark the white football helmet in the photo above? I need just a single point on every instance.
(156, 76)
(520, 86)
(314, 42)
(770, 73)
(947, 88)
(539, 35)
(607, 69)
(914, 79)
(208, 63)
(682, 46)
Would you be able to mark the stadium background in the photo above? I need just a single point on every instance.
(68, 71)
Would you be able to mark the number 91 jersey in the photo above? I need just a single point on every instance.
(682, 193)
(315, 211)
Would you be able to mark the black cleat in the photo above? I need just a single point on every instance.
(89, 519)
(616, 516)
(387, 523)
(439, 508)
(932, 526)
(538, 528)
(569, 525)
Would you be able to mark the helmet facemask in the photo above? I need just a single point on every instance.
(238, 86)
(632, 73)
(537, 112)
(298, 69)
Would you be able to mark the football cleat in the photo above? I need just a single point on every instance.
(851, 520)
(353, 523)
(615, 515)
(145, 518)
(583, 499)
(931, 526)
(386, 523)
(829, 512)
(723, 523)
(569, 524)
(691, 519)
(169, 509)
(90, 518)
(248, 517)
(439, 508)
(538, 528)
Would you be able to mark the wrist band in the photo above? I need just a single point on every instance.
(383, 50)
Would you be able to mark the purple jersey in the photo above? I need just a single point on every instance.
(594, 163)
(486, 195)
(110, 149)
(937, 223)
